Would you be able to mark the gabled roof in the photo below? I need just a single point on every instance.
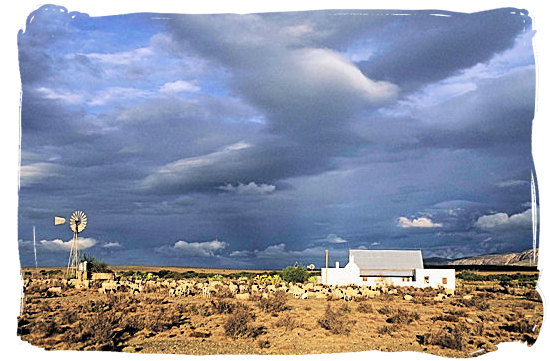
(370, 261)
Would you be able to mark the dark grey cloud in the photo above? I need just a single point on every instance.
(276, 134)
(421, 48)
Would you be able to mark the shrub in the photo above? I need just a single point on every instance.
(458, 312)
(288, 322)
(446, 318)
(403, 316)
(334, 321)
(386, 310)
(470, 276)
(345, 308)
(448, 337)
(222, 307)
(478, 303)
(295, 274)
(275, 302)
(365, 307)
(95, 265)
(200, 334)
(387, 329)
(223, 292)
(522, 326)
(239, 324)
(97, 331)
(216, 278)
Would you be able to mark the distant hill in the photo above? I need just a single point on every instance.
(436, 261)
(524, 258)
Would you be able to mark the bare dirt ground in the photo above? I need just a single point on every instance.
(471, 322)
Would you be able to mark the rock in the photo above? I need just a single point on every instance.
(407, 297)
(467, 297)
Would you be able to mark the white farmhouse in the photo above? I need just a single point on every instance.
(387, 267)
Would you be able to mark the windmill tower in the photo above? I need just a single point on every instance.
(77, 223)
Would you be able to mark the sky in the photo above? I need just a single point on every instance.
(260, 140)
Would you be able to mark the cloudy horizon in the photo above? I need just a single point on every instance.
(260, 140)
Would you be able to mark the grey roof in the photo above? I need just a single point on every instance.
(386, 259)
(386, 272)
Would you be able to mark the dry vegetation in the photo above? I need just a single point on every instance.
(474, 320)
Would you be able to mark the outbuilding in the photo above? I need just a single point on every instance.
(379, 268)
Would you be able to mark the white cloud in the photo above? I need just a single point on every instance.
(195, 249)
(322, 68)
(332, 238)
(116, 94)
(375, 244)
(512, 183)
(111, 245)
(179, 86)
(57, 245)
(122, 58)
(35, 172)
(421, 222)
(249, 189)
(194, 169)
(501, 221)
(66, 96)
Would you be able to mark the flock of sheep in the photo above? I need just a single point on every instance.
(241, 289)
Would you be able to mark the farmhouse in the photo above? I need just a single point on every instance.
(380, 268)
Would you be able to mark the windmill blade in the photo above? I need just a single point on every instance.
(58, 220)
(78, 221)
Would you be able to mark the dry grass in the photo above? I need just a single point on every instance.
(334, 321)
(240, 324)
(153, 322)
(402, 316)
(365, 307)
(222, 307)
(454, 337)
(288, 322)
(275, 302)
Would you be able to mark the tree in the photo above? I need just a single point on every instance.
(94, 265)
(295, 274)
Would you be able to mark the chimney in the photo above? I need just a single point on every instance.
(337, 264)
(326, 258)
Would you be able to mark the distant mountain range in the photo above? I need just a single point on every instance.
(524, 258)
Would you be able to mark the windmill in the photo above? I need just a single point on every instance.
(77, 223)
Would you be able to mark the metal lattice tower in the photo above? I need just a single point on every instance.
(77, 223)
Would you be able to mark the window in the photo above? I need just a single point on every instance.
(444, 280)
(426, 279)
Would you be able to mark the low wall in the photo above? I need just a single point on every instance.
(423, 278)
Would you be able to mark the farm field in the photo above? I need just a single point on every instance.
(154, 311)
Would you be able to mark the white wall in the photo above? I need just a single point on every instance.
(435, 278)
(349, 275)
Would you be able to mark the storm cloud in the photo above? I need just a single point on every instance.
(261, 140)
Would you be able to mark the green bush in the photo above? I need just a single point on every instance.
(295, 274)
(95, 265)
